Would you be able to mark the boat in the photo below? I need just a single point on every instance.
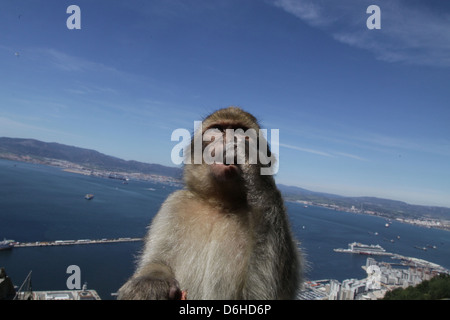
(6, 244)
(89, 196)
(359, 248)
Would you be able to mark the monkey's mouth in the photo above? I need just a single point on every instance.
(224, 171)
(223, 166)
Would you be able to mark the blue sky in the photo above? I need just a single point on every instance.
(360, 112)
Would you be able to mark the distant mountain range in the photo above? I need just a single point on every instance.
(383, 207)
(36, 149)
(88, 158)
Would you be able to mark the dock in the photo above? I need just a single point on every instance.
(71, 242)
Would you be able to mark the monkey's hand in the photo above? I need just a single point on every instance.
(151, 285)
(146, 288)
(257, 184)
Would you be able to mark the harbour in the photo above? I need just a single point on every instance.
(71, 242)
(377, 250)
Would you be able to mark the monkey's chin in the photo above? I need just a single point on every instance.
(225, 172)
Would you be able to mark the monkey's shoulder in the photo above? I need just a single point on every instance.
(184, 206)
(180, 201)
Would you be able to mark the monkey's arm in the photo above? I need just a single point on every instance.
(154, 278)
(275, 263)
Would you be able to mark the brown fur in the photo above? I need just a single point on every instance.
(225, 236)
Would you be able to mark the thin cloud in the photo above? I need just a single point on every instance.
(9, 127)
(320, 153)
(340, 137)
(305, 10)
(91, 89)
(70, 63)
(334, 154)
(386, 143)
(410, 33)
(351, 156)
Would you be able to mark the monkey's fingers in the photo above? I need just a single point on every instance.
(183, 295)
(174, 290)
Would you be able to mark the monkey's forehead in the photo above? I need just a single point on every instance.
(229, 124)
(233, 115)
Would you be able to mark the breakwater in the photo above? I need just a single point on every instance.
(71, 242)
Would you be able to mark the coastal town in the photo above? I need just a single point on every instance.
(95, 172)
(422, 222)
(382, 276)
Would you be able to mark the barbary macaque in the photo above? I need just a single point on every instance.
(226, 235)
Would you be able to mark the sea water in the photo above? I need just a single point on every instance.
(42, 203)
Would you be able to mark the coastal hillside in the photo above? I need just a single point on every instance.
(88, 158)
(383, 207)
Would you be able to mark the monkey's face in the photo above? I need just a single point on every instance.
(223, 147)
(224, 151)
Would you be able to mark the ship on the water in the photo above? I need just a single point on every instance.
(359, 248)
(6, 244)
(89, 196)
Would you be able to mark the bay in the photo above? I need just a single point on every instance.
(41, 203)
